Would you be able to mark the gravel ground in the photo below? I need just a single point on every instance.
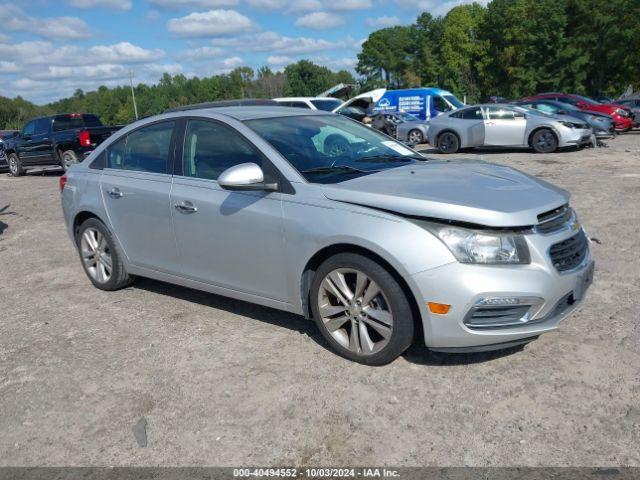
(222, 382)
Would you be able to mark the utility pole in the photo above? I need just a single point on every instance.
(133, 95)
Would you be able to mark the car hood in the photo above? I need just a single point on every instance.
(472, 192)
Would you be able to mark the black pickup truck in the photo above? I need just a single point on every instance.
(56, 140)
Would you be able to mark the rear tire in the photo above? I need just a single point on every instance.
(415, 137)
(68, 158)
(448, 142)
(15, 165)
(544, 141)
(369, 320)
(100, 257)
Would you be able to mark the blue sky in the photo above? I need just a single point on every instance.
(48, 48)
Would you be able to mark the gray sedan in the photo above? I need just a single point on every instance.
(373, 242)
(500, 125)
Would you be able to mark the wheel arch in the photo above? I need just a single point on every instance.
(542, 127)
(326, 252)
(80, 218)
(448, 130)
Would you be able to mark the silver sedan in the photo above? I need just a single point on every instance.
(505, 126)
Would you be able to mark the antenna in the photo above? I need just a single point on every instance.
(133, 95)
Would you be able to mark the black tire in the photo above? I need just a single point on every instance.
(448, 142)
(417, 135)
(544, 141)
(15, 165)
(68, 158)
(119, 278)
(402, 331)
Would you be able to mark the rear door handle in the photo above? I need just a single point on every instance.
(115, 193)
(186, 207)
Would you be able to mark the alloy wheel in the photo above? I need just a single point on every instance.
(415, 136)
(13, 165)
(545, 140)
(67, 161)
(355, 311)
(447, 142)
(96, 255)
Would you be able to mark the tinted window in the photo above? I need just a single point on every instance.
(143, 150)
(29, 128)
(42, 126)
(298, 105)
(469, 114)
(211, 148)
(75, 120)
(568, 100)
(91, 120)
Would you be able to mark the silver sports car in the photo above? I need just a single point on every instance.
(497, 125)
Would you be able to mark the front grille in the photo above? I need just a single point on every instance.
(496, 316)
(569, 253)
(554, 220)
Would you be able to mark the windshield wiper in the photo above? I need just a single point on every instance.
(337, 168)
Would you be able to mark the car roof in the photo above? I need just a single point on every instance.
(255, 112)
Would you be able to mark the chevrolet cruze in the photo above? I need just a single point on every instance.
(376, 243)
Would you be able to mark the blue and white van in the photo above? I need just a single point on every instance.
(423, 103)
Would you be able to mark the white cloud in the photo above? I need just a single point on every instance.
(279, 61)
(435, 7)
(193, 3)
(267, 4)
(384, 21)
(320, 21)
(232, 62)
(340, 5)
(12, 18)
(124, 52)
(9, 67)
(213, 23)
(202, 53)
(113, 4)
(274, 43)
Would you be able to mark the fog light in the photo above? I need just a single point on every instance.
(439, 308)
(499, 301)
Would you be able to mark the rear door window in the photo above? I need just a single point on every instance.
(144, 150)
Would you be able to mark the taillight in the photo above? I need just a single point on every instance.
(63, 182)
(85, 138)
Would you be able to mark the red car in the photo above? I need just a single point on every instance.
(622, 117)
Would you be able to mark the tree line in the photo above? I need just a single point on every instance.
(509, 48)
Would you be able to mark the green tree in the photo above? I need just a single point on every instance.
(388, 55)
(306, 79)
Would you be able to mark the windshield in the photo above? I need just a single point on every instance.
(586, 99)
(453, 101)
(331, 148)
(327, 104)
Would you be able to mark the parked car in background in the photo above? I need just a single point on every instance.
(503, 125)
(402, 126)
(603, 99)
(3, 157)
(376, 244)
(621, 115)
(56, 140)
(603, 125)
(327, 104)
(632, 103)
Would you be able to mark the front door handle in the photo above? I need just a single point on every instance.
(186, 207)
(115, 193)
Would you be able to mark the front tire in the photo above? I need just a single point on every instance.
(448, 142)
(544, 141)
(15, 165)
(100, 257)
(361, 310)
(68, 158)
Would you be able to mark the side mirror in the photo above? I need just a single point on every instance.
(246, 176)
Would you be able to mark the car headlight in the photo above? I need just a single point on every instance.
(481, 246)
(621, 112)
(568, 124)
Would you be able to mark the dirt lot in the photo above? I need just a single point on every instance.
(222, 382)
